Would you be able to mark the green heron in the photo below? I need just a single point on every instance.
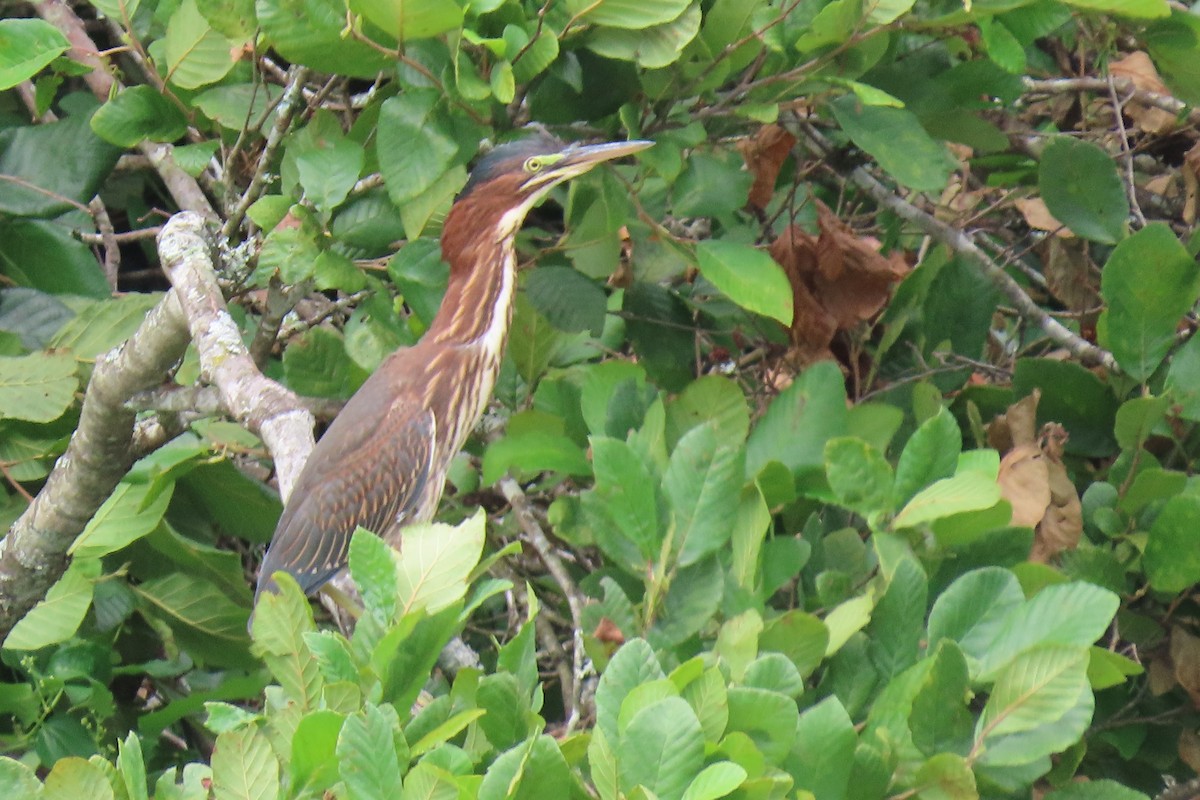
(382, 463)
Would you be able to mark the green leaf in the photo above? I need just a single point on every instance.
(316, 365)
(1074, 397)
(38, 387)
(1095, 790)
(132, 768)
(709, 698)
(1079, 183)
(328, 162)
(532, 770)
(847, 619)
(406, 20)
(633, 665)
(57, 165)
(1073, 613)
(930, 455)
(659, 326)
(661, 749)
(533, 451)
(946, 776)
(32, 315)
(314, 765)
(652, 47)
(860, 477)
(1037, 689)
(702, 485)
(974, 608)
(73, 778)
(898, 620)
(310, 32)
(1126, 8)
(715, 780)
(896, 139)
(798, 423)
(798, 635)
(533, 341)
(940, 720)
(101, 326)
(632, 14)
(1144, 308)
(714, 399)
(626, 504)
(18, 780)
(201, 615)
(237, 106)
(138, 113)
(1172, 558)
(421, 275)
(132, 511)
(436, 562)
(416, 146)
(278, 627)
(967, 491)
(367, 755)
(824, 752)
(27, 45)
(571, 301)
(196, 55)
(748, 276)
(56, 618)
(233, 18)
(244, 767)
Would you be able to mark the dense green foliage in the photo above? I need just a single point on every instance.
(844, 503)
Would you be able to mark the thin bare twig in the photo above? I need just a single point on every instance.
(532, 533)
(964, 245)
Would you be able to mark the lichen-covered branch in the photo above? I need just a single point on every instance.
(34, 553)
(274, 413)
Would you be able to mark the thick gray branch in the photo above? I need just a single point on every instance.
(262, 405)
(34, 553)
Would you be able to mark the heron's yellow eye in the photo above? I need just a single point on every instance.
(533, 164)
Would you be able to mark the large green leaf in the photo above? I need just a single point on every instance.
(38, 387)
(436, 563)
(132, 511)
(748, 276)
(366, 754)
(1145, 306)
(967, 491)
(860, 477)
(328, 162)
(27, 45)
(1172, 557)
(633, 665)
(896, 139)
(406, 20)
(930, 454)
(824, 751)
(632, 14)
(571, 301)
(244, 766)
(57, 166)
(138, 113)
(73, 778)
(661, 748)
(529, 771)
(310, 32)
(201, 615)
(628, 505)
(1080, 185)
(57, 617)
(653, 47)
(1034, 694)
(799, 422)
(196, 54)
(416, 145)
(702, 484)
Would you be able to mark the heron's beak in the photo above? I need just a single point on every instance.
(580, 158)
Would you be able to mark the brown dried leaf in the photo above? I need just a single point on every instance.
(838, 280)
(764, 155)
(1138, 67)
(1062, 526)
(1038, 217)
(1070, 277)
(1017, 425)
(1189, 748)
(1191, 183)
(1185, 658)
(1160, 677)
(607, 631)
(1025, 483)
